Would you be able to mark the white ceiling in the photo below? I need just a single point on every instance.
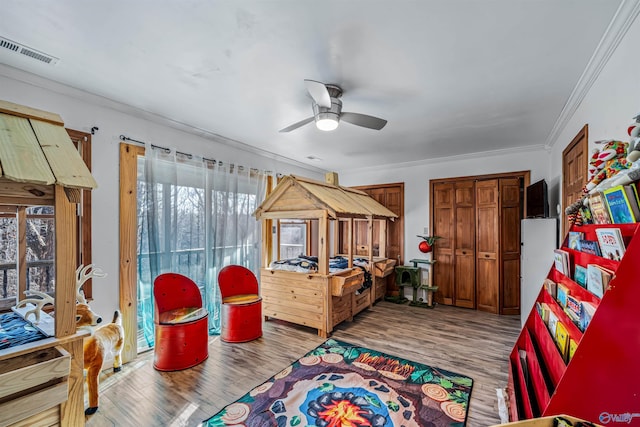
(452, 77)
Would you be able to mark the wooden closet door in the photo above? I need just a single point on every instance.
(487, 245)
(465, 236)
(510, 214)
(443, 250)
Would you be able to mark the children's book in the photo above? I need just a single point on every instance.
(586, 313)
(574, 306)
(563, 293)
(573, 240)
(575, 319)
(561, 261)
(551, 287)
(611, 243)
(562, 340)
(622, 202)
(552, 323)
(598, 207)
(572, 348)
(580, 275)
(589, 247)
(594, 280)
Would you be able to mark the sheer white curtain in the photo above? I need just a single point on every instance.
(195, 217)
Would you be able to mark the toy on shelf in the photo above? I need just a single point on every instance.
(612, 163)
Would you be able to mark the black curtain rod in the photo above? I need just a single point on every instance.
(190, 156)
(166, 149)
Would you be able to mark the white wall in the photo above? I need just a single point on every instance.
(416, 183)
(610, 104)
(82, 111)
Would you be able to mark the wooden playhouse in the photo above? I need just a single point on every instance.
(321, 298)
(41, 383)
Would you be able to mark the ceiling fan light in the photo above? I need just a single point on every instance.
(327, 121)
(326, 124)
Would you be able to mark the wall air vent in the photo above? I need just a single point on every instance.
(27, 51)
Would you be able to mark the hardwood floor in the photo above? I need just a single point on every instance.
(465, 341)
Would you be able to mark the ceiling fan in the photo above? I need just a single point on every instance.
(327, 110)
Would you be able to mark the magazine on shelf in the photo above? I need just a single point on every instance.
(590, 247)
(573, 240)
(611, 243)
(622, 202)
(598, 207)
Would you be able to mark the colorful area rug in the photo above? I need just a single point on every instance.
(342, 385)
(14, 330)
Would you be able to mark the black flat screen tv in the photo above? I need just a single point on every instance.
(537, 202)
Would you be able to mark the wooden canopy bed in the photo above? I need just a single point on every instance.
(41, 383)
(320, 298)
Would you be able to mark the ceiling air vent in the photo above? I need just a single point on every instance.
(27, 51)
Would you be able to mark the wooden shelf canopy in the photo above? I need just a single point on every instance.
(36, 153)
(297, 197)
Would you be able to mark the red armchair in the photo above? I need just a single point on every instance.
(181, 323)
(241, 304)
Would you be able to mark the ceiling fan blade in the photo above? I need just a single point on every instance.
(319, 93)
(363, 120)
(297, 125)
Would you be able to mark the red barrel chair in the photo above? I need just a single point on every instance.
(241, 304)
(181, 323)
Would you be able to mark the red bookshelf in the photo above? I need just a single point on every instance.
(603, 377)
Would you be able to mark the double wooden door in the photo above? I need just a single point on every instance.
(478, 255)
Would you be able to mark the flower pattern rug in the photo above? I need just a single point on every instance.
(343, 385)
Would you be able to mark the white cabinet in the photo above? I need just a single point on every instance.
(538, 237)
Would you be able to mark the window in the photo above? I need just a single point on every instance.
(293, 238)
(37, 225)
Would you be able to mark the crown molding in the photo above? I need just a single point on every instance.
(457, 158)
(615, 32)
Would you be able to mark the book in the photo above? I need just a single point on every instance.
(561, 261)
(574, 305)
(575, 319)
(572, 349)
(594, 280)
(552, 323)
(607, 275)
(598, 207)
(580, 275)
(611, 243)
(563, 293)
(586, 313)
(562, 340)
(545, 310)
(622, 203)
(551, 287)
(573, 239)
(590, 247)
